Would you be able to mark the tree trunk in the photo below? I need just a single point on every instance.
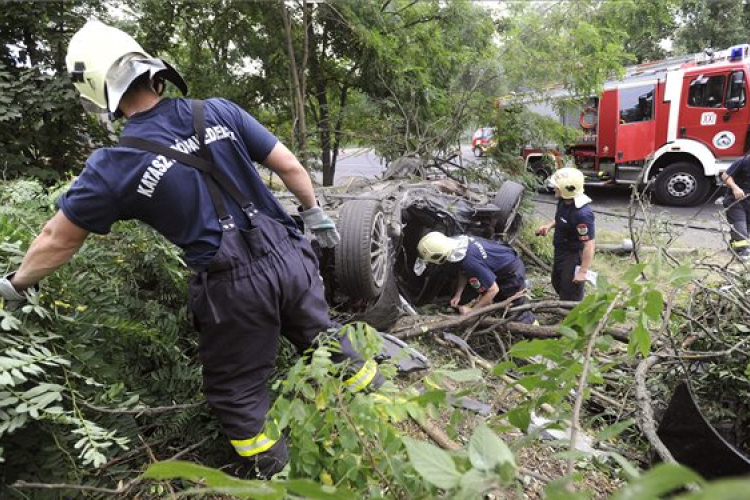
(298, 78)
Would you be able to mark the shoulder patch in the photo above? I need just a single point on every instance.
(475, 284)
(582, 229)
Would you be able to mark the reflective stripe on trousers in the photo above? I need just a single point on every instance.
(363, 377)
(252, 446)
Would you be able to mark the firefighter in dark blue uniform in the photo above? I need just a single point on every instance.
(493, 271)
(255, 275)
(574, 234)
(737, 205)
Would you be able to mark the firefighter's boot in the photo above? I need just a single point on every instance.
(266, 464)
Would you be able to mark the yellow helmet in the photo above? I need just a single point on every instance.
(436, 247)
(104, 61)
(569, 181)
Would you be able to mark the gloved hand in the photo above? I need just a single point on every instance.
(321, 225)
(13, 299)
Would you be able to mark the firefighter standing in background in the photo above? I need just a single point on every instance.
(493, 271)
(254, 273)
(574, 234)
(737, 205)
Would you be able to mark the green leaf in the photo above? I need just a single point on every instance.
(633, 273)
(629, 469)
(468, 375)
(487, 450)
(640, 341)
(315, 491)
(520, 417)
(660, 480)
(614, 430)
(654, 305)
(500, 368)
(726, 489)
(568, 332)
(432, 463)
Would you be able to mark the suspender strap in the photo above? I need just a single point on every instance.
(214, 177)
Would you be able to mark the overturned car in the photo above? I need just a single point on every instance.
(371, 272)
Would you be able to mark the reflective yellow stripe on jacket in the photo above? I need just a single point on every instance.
(252, 446)
(363, 377)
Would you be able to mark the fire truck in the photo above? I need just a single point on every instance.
(672, 125)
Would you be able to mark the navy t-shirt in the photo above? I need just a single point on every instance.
(122, 183)
(740, 172)
(573, 226)
(485, 260)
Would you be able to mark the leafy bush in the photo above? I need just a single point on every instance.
(107, 334)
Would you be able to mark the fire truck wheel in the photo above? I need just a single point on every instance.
(362, 258)
(682, 184)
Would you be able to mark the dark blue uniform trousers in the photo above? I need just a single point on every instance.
(510, 280)
(738, 216)
(262, 282)
(563, 270)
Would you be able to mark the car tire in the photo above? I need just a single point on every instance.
(478, 153)
(383, 312)
(681, 184)
(508, 199)
(362, 257)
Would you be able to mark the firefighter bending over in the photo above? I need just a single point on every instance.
(493, 271)
(737, 205)
(254, 273)
(574, 234)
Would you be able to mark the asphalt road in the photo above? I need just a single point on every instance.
(699, 226)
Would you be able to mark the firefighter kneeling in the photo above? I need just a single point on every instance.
(493, 271)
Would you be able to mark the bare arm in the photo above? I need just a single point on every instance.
(488, 296)
(294, 176)
(484, 300)
(59, 240)
(460, 285)
(736, 190)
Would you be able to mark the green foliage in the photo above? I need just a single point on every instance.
(715, 24)
(109, 330)
(43, 132)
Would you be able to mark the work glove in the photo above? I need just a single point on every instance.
(12, 297)
(321, 226)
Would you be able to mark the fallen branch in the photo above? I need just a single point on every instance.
(645, 413)
(576, 419)
(143, 410)
(423, 329)
(530, 254)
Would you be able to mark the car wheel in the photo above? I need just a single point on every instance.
(383, 312)
(508, 200)
(682, 184)
(362, 255)
(478, 152)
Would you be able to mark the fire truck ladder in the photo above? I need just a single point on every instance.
(654, 67)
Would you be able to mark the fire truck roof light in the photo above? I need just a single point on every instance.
(738, 52)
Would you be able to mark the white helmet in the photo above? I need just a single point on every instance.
(104, 61)
(436, 247)
(569, 181)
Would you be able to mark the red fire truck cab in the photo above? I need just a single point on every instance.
(674, 125)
